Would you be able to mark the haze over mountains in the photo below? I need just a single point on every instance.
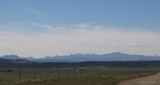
(115, 56)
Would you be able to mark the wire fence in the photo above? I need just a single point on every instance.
(8, 76)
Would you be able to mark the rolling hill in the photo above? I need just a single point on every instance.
(116, 56)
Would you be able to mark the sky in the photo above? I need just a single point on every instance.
(40, 28)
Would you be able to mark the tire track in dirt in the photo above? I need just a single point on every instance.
(148, 80)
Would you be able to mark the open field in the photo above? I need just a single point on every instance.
(76, 76)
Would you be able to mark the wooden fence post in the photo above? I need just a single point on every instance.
(75, 72)
(81, 73)
(19, 75)
(86, 73)
(58, 73)
(67, 73)
(35, 73)
(47, 73)
(99, 74)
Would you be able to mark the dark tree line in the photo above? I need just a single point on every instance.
(4, 63)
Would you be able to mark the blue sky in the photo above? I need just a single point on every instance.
(114, 13)
(72, 24)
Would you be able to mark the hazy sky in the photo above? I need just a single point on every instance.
(41, 28)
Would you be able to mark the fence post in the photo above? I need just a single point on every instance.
(91, 73)
(19, 75)
(81, 73)
(35, 73)
(58, 73)
(75, 72)
(47, 73)
(86, 73)
(108, 73)
(99, 74)
(67, 73)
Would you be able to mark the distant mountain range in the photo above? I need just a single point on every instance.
(115, 56)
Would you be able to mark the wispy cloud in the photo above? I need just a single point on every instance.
(80, 26)
(49, 28)
(33, 11)
(79, 41)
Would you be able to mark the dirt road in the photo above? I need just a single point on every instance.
(148, 80)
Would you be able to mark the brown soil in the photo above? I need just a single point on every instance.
(148, 80)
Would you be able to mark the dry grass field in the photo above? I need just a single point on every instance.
(72, 76)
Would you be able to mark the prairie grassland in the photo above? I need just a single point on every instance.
(70, 76)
